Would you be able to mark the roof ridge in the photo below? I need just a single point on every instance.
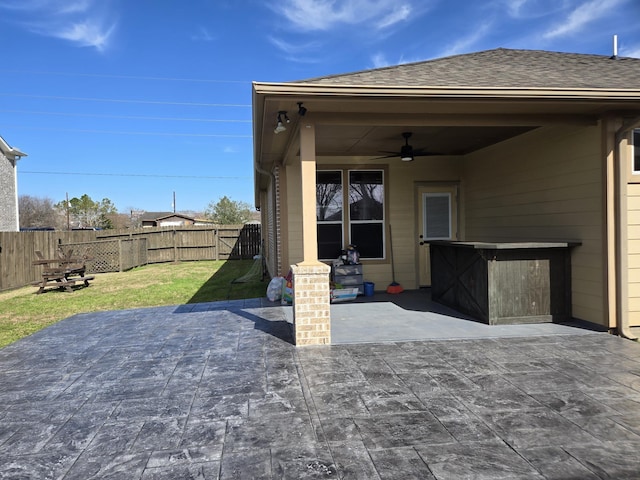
(448, 58)
(500, 67)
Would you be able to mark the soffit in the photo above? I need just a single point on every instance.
(348, 126)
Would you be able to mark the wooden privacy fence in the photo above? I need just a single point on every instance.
(112, 255)
(18, 250)
(114, 250)
(178, 244)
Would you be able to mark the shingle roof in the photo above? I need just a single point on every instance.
(152, 216)
(502, 68)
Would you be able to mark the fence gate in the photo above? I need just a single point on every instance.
(241, 242)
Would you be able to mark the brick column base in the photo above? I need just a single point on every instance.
(311, 318)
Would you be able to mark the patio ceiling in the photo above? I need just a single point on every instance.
(366, 122)
(341, 140)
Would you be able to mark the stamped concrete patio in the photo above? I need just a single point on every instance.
(217, 390)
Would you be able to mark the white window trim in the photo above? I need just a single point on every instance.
(384, 211)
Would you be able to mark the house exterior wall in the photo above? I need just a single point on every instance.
(401, 204)
(8, 195)
(291, 195)
(633, 252)
(545, 185)
(269, 227)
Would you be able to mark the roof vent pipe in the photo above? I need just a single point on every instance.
(615, 47)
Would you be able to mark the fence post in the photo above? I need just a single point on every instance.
(216, 232)
(175, 246)
(120, 255)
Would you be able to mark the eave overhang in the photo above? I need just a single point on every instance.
(566, 104)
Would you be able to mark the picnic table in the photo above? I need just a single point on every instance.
(62, 272)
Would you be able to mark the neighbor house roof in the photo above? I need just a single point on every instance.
(501, 67)
(10, 152)
(154, 216)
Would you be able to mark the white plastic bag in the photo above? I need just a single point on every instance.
(274, 290)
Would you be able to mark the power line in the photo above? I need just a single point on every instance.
(127, 117)
(131, 77)
(115, 132)
(119, 100)
(153, 175)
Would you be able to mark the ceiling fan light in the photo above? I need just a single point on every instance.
(406, 153)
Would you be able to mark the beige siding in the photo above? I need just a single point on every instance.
(633, 207)
(545, 185)
(292, 252)
(401, 205)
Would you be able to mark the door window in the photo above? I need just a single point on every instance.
(437, 216)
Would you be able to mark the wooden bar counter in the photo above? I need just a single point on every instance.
(504, 283)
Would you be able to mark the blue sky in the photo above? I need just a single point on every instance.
(134, 100)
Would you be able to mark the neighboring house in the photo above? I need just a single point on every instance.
(9, 156)
(517, 146)
(203, 222)
(165, 219)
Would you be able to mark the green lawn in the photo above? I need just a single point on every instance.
(22, 312)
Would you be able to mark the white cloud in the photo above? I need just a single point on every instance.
(203, 35)
(85, 23)
(398, 15)
(630, 52)
(298, 52)
(464, 44)
(310, 15)
(84, 34)
(582, 15)
(528, 9)
(379, 60)
(70, 7)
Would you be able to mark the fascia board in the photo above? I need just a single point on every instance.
(444, 91)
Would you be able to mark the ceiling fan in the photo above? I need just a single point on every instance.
(407, 152)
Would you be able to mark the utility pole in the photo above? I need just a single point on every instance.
(67, 205)
(174, 202)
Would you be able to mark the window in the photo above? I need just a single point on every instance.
(636, 152)
(329, 198)
(362, 224)
(366, 212)
(437, 216)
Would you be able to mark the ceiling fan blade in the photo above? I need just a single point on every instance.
(393, 154)
(420, 152)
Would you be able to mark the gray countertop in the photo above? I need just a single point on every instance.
(506, 245)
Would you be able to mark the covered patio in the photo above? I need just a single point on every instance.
(218, 390)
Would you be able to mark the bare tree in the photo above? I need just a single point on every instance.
(37, 212)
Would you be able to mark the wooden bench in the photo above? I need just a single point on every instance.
(62, 272)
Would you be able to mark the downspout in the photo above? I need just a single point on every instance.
(624, 329)
(272, 178)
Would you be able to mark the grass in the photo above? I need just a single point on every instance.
(22, 312)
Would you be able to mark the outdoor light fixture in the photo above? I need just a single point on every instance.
(301, 109)
(406, 153)
(280, 126)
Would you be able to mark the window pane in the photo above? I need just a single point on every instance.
(636, 151)
(329, 196)
(329, 240)
(437, 221)
(368, 239)
(366, 195)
